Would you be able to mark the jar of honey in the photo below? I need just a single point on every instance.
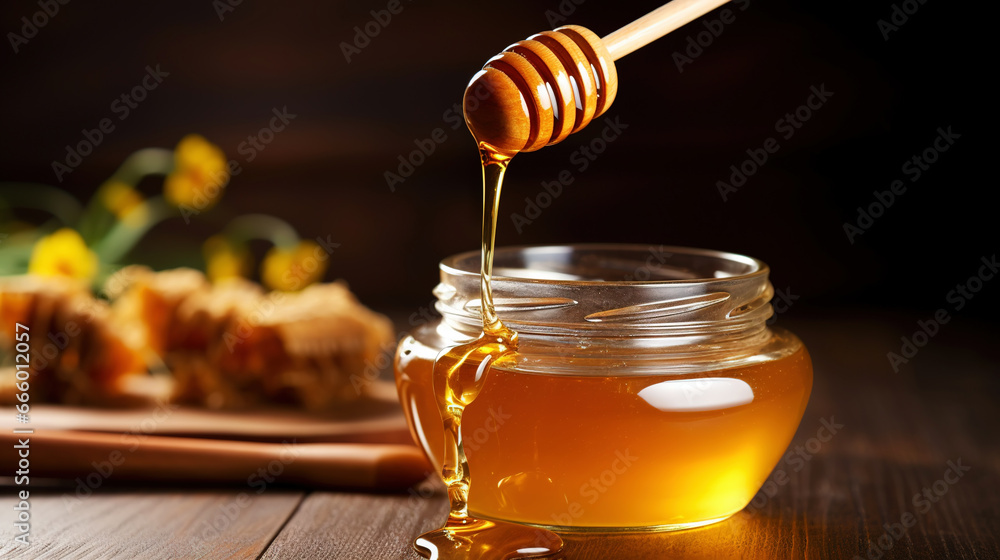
(647, 391)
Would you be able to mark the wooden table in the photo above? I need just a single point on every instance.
(901, 432)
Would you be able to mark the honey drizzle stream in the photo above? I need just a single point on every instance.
(459, 375)
(494, 167)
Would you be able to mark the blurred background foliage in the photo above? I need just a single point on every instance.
(324, 172)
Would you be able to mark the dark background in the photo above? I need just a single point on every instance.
(656, 184)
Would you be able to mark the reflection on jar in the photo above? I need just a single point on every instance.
(628, 405)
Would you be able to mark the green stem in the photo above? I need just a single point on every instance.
(41, 197)
(124, 234)
(262, 226)
(97, 219)
(148, 161)
(14, 260)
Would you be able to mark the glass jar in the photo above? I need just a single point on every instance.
(646, 392)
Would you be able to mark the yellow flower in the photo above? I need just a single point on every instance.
(125, 202)
(120, 197)
(200, 173)
(63, 253)
(224, 260)
(289, 270)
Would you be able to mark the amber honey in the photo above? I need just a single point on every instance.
(589, 451)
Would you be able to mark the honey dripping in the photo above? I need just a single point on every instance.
(505, 119)
(459, 373)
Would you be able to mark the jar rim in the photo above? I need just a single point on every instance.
(611, 290)
(453, 265)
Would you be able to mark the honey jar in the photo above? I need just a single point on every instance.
(646, 392)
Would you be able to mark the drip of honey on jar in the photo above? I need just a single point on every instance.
(459, 374)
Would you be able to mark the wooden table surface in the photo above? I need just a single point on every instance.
(901, 432)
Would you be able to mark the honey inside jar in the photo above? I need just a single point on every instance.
(666, 414)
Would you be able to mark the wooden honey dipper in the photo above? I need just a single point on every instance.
(540, 90)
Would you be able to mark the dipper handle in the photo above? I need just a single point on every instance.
(656, 24)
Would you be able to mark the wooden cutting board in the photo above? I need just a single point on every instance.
(365, 444)
(376, 418)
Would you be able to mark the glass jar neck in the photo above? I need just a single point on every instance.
(690, 302)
